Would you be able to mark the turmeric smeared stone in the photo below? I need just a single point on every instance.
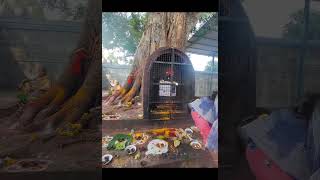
(164, 132)
(70, 130)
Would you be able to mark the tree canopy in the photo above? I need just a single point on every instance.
(44, 9)
(294, 28)
(124, 30)
(212, 66)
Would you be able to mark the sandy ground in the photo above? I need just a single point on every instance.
(134, 112)
(121, 112)
(65, 153)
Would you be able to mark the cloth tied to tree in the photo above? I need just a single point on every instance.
(79, 56)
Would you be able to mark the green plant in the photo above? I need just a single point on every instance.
(23, 98)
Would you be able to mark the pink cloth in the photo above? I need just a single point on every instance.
(263, 168)
(202, 124)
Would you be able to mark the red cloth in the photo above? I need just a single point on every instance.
(169, 72)
(130, 80)
(79, 56)
(202, 124)
(263, 168)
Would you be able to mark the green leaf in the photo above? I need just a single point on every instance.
(123, 30)
(294, 28)
(23, 98)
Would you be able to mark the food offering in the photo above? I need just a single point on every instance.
(144, 148)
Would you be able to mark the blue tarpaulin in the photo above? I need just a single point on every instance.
(208, 110)
(293, 143)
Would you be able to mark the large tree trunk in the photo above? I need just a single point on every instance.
(164, 29)
(77, 88)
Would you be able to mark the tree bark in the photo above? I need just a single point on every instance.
(163, 29)
(77, 88)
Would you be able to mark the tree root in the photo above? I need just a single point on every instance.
(32, 108)
(70, 112)
(126, 95)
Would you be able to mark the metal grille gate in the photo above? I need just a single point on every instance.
(168, 85)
